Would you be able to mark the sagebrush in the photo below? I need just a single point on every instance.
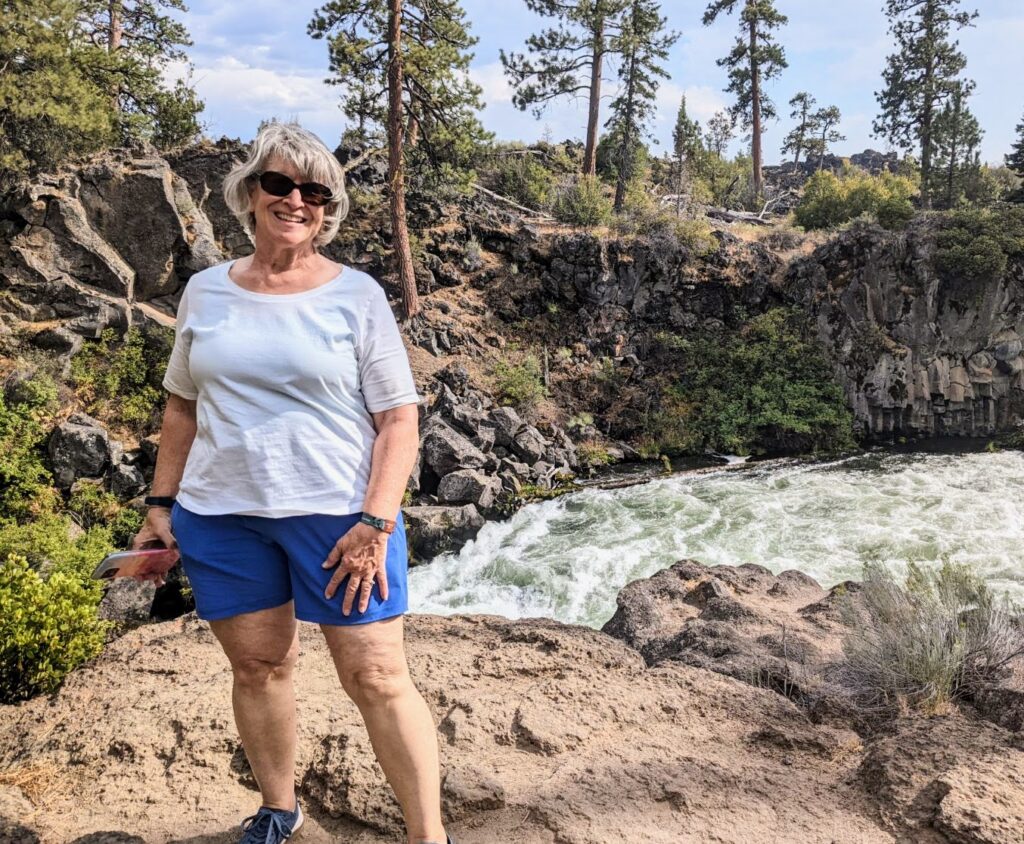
(940, 635)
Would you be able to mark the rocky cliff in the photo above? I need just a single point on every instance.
(918, 353)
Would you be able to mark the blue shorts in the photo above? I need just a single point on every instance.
(240, 564)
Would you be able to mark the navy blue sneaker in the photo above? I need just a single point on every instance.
(271, 826)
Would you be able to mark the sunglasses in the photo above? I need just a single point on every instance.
(278, 184)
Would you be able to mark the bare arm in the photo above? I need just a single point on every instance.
(394, 454)
(362, 551)
(176, 435)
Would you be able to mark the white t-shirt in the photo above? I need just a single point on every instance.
(284, 386)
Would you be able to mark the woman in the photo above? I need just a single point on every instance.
(288, 437)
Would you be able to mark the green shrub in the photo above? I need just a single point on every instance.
(46, 543)
(940, 635)
(766, 389)
(593, 453)
(667, 233)
(95, 507)
(47, 628)
(525, 180)
(25, 483)
(975, 245)
(121, 381)
(581, 202)
(829, 200)
(520, 383)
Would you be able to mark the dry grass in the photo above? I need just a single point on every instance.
(940, 636)
(41, 783)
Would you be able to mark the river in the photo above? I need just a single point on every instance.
(567, 559)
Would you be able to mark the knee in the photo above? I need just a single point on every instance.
(258, 671)
(374, 685)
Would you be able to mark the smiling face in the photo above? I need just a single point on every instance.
(286, 221)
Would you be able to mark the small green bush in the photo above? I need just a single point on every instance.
(524, 179)
(581, 202)
(95, 507)
(47, 629)
(46, 543)
(829, 200)
(976, 244)
(521, 383)
(121, 381)
(25, 483)
(940, 635)
(766, 389)
(667, 232)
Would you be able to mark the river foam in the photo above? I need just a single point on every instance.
(568, 558)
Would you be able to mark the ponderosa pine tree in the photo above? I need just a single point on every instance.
(404, 66)
(643, 44)
(73, 84)
(687, 145)
(756, 57)
(824, 123)
(50, 106)
(796, 141)
(567, 59)
(1015, 160)
(920, 77)
(721, 130)
(140, 40)
(957, 138)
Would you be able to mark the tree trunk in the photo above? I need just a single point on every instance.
(821, 152)
(927, 116)
(590, 153)
(625, 149)
(755, 105)
(953, 152)
(116, 31)
(396, 175)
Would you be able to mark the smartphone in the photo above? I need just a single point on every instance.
(134, 563)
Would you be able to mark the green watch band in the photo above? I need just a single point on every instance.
(385, 525)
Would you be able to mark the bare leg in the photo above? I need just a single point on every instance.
(262, 648)
(371, 664)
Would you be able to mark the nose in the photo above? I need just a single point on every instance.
(294, 199)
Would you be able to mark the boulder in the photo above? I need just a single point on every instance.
(507, 424)
(59, 340)
(548, 733)
(126, 481)
(78, 448)
(127, 601)
(948, 776)
(439, 530)
(467, 486)
(529, 444)
(445, 450)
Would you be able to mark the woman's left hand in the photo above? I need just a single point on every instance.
(362, 554)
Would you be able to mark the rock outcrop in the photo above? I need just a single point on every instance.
(549, 733)
(917, 354)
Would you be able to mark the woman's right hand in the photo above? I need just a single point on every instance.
(156, 530)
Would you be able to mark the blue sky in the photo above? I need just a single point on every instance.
(253, 60)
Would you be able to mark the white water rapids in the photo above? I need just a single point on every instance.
(567, 558)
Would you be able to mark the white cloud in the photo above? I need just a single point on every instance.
(491, 78)
(702, 101)
(237, 92)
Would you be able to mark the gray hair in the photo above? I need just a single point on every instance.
(307, 154)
